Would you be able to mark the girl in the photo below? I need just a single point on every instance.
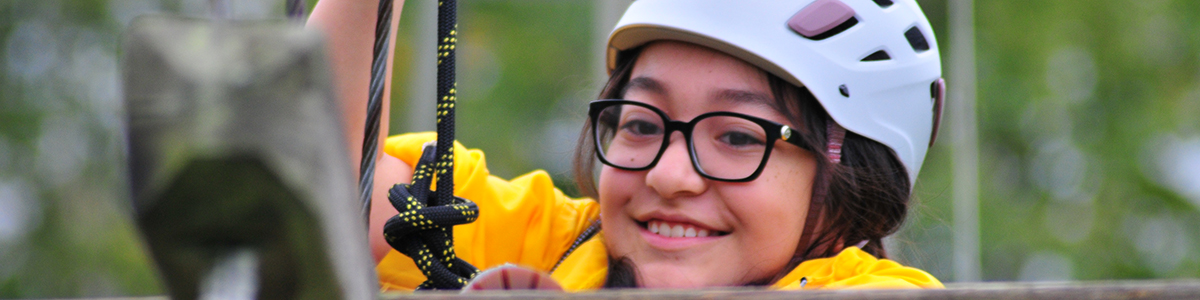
(769, 143)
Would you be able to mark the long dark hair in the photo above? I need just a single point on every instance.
(868, 191)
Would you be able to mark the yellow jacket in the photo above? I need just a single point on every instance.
(528, 222)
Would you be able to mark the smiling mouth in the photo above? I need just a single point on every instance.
(678, 230)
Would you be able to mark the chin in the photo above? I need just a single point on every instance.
(668, 277)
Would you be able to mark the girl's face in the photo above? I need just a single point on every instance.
(753, 227)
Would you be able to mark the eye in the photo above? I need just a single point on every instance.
(608, 118)
(641, 127)
(740, 139)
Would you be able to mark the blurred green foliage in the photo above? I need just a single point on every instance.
(64, 222)
(1088, 117)
(1089, 144)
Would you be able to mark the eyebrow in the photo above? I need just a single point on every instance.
(650, 85)
(744, 96)
(645, 84)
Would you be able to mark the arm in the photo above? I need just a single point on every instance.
(389, 171)
(349, 26)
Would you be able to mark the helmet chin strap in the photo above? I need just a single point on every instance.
(835, 135)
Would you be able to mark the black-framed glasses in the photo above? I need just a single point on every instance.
(725, 146)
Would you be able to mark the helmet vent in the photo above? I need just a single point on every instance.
(884, 3)
(877, 56)
(916, 39)
(822, 19)
(836, 30)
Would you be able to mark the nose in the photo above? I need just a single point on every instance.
(673, 176)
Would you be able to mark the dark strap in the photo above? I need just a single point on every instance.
(587, 234)
(834, 135)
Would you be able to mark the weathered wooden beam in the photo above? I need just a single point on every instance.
(1168, 289)
(240, 181)
(1141, 289)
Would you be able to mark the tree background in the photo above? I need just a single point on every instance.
(1089, 143)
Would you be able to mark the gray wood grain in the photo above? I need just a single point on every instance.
(235, 152)
(1159, 289)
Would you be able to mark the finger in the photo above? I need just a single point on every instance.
(511, 277)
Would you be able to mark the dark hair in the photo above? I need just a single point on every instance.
(868, 192)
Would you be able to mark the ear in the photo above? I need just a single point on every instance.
(938, 92)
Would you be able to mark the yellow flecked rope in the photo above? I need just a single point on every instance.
(420, 231)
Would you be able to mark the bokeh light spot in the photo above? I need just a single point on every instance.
(30, 51)
(1161, 241)
(1069, 222)
(19, 210)
(1178, 165)
(1062, 169)
(1046, 266)
(62, 149)
(1071, 74)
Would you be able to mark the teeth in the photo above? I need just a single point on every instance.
(677, 231)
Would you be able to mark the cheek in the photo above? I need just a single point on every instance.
(616, 188)
(789, 177)
(613, 187)
(773, 208)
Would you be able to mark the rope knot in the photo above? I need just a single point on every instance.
(422, 229)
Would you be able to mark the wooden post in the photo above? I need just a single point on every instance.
(240, 180)
(964, 137)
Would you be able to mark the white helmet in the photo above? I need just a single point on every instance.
(872, 64)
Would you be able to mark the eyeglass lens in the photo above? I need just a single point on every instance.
(726, 147)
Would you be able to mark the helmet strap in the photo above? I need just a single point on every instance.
(835, 135)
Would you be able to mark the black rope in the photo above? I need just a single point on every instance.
(423, 229)
(366, 174)
(446, 92)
